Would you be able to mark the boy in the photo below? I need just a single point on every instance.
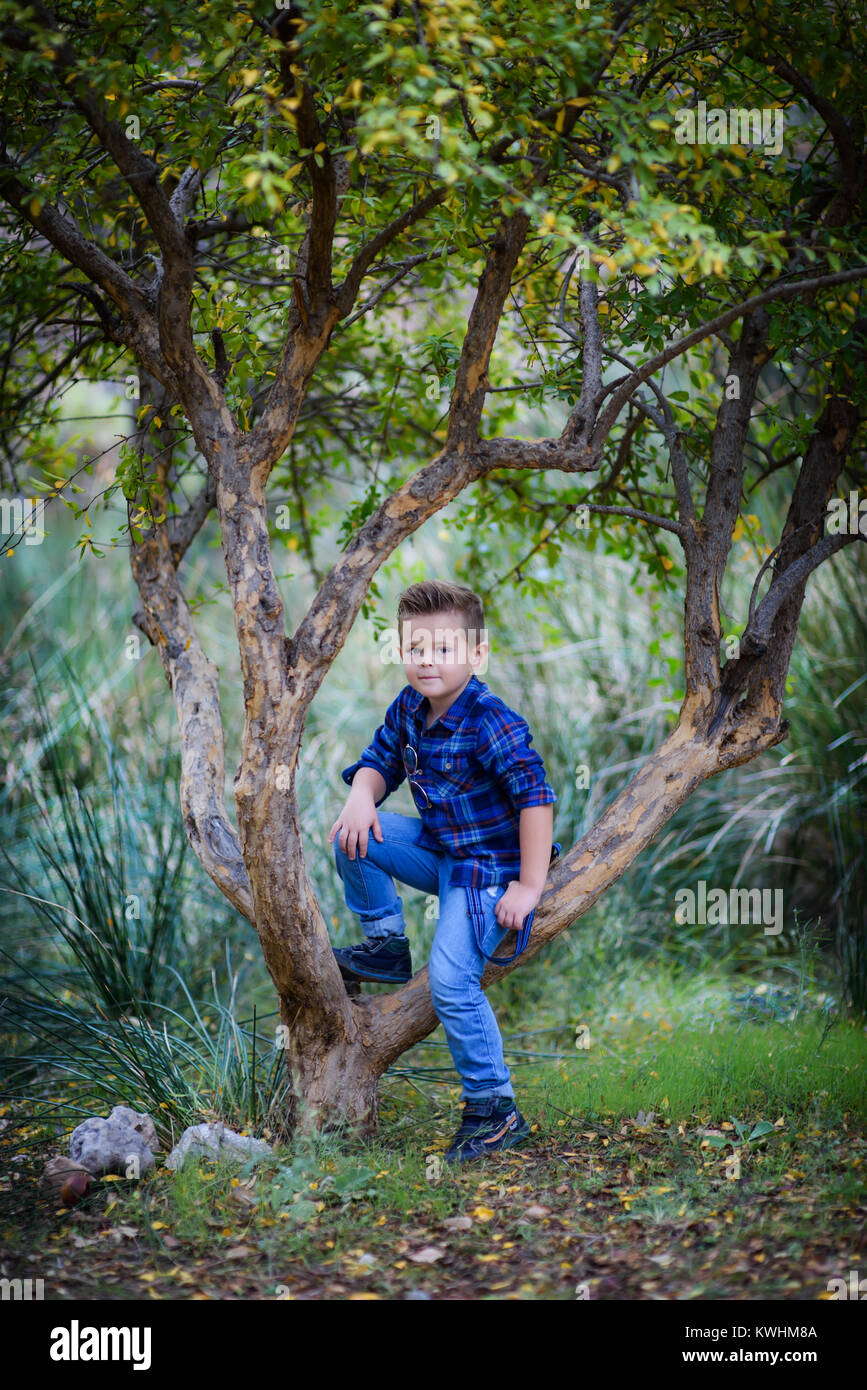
(486, 817)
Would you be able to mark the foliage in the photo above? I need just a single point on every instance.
(452, 96)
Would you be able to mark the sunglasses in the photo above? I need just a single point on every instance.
(410, 762)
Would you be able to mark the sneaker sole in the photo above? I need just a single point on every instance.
(520, 1138)
(353, 975)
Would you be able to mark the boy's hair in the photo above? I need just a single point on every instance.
(441, 596)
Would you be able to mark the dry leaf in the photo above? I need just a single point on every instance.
(428, 1255)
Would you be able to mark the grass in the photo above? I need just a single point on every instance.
(622, 1192)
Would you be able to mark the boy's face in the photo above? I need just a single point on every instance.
(440, 655)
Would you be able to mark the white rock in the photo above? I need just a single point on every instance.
(116, 1145)
(140, 1122)
(215, 1141)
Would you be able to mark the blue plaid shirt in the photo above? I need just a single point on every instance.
(479, 771)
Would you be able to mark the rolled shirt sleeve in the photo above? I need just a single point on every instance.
(383, 753)
(503, 749)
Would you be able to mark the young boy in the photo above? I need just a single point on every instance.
(483, 843)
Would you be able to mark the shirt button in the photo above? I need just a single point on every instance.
(448, 766)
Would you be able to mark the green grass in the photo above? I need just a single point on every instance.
(621, 1188)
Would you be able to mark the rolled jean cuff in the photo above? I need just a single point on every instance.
(393, 925)
(504, 1090)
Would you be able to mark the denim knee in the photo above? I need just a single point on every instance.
(450, 986)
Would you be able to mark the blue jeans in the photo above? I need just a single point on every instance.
(456, 964)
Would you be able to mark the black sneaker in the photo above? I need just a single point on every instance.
(383, 959)
(486, 1126)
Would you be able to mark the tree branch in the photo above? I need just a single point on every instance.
(622, 388)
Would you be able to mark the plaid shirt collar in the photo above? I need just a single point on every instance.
(418, 704)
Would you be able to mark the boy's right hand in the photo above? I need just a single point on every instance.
(358, 817)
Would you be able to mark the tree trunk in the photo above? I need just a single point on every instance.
(334, 1073)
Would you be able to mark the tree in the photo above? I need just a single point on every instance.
(235, 204)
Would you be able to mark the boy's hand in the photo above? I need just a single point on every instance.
(514, 905)
(355, 820)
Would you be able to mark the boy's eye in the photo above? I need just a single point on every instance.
(418, 651)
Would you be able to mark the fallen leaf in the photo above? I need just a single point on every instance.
(458, 1223)
(428, 1255)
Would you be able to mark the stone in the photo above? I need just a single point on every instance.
(58, 1170)
(216, 1141)
(140, 1121)
(119, 1144)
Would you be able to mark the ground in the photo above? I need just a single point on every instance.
(606, 1201)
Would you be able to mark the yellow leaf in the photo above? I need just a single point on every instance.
(738, 531)
(484, 1213)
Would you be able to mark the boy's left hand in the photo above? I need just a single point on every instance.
(514, 905)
